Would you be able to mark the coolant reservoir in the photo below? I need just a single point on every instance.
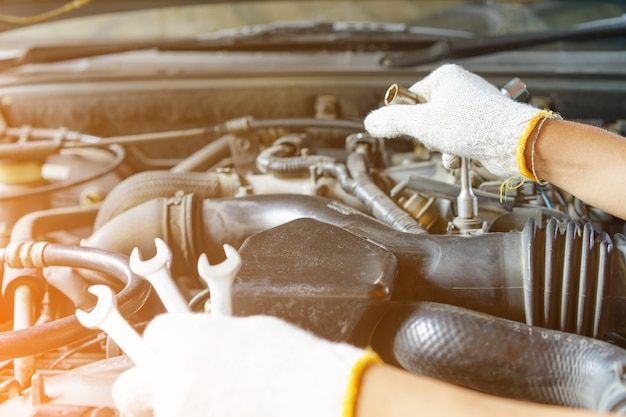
(17, 177)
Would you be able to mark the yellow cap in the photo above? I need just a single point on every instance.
(20, 172)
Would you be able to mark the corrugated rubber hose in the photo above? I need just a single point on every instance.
(148, 185)
(503, 357)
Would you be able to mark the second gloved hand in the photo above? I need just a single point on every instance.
(204, 365)
(463, 115)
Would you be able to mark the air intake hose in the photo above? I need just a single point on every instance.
(503, 357)
(497, 273)
(149, 185)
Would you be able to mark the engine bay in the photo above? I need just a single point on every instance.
(342, 233)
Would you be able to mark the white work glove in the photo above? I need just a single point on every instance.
(203, 365)
(463, 115)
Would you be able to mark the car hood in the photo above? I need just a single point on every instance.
(56, 10)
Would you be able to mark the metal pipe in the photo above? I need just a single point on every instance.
(206, 157)
(61, 332)
(23, 318)
(38, 223)
(230, 126)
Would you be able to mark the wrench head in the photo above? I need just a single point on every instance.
(162, 259)
(106, 304)
(227, 268)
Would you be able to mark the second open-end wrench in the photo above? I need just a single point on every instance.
(157, 272)
(106, 317)
(219, 278)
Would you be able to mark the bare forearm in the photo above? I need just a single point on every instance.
(586, 161)
(392, 392)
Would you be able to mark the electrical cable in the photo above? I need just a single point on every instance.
(91, 341)
(199, 299)
(42, 17)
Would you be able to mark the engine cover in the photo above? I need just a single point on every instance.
(325, 278)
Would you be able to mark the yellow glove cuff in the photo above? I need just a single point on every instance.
(523, 141)
(354, 382)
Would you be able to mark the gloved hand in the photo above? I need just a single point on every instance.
(463, 115)
(204, 365)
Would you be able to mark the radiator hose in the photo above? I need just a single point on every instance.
(503, 357)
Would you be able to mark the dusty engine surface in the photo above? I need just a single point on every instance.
(355, 238)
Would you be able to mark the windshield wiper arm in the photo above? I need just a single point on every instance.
(273, 35)
(463, 48)
(303, 27)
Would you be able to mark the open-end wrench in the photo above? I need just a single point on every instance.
(106, 317)
(219, 278)
(157, 272)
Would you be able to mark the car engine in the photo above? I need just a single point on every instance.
(359, 239)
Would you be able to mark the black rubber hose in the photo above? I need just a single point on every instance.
(503, 357)
(377, 201)
(61, 332)
(305, 122)
(279, 161)
(149, 185)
